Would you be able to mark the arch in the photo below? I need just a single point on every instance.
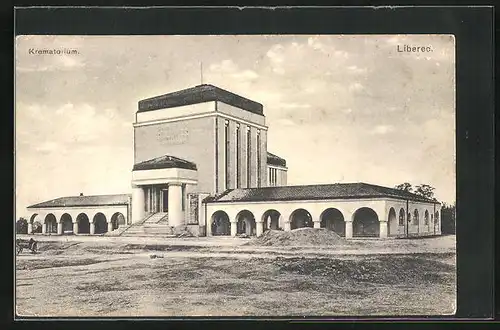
(220, 224)
(365, 223)
(36, 223)
(83, 223)
(67, 224)
(333, 219)
(117, 220)
(436, 220)
(32, 218)
(426, 218)
(271, 219)
(100, 224)
(415, 217)
(50, 224)
(245, 223)
(401, 217)
(392, 223)
(300, 218)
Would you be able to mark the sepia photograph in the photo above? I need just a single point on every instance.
(235, 175)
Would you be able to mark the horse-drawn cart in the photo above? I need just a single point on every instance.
(30, 244)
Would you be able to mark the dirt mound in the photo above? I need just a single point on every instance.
(299, 237)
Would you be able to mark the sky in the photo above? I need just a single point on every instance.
(340, 108)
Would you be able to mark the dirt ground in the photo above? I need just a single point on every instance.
(134, 276)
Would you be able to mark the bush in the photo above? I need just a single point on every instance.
(22, 226)
(37, 227)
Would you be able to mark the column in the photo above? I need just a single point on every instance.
(175, 204)
(59, 228)
(317, 224)
(259, 228)
(287, 226)
(137, 204)
(383, 229)
(110, 226)
(44, 228)
(30, 228)
(233, 227)
(75, 227)
(92, 228)
(348, 229)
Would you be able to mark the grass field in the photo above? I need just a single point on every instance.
(216, 277)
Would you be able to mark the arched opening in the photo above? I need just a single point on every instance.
(426, 218)
(36, 223)
(117, 220)
(436, 221)
(220, 224)
(100, 224)
(365, 223)
(393, 225)
(415, 217)
(33, 217)
(401, 217)
(271, 219)
(83, 223)
(67, 224)
(300, 218)
(332, 219)
(50, 224)
(245, 223)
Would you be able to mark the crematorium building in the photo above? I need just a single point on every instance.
(201, 165)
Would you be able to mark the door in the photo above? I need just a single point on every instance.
(165, 200)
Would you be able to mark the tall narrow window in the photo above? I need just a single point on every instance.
(249, 158)
(258, 158)
(183, 197)
(238, 181)
(226, 153)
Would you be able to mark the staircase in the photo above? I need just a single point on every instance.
(155, 224)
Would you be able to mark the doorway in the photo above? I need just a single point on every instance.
(165, 200)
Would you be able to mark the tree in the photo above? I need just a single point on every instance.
(22, 226)
(448, 219)
(425, 190)
(404, 186)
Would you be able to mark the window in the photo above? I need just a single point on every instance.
(226, 153)
(401, 217)
(258, 158)
(249, 158)
(426, 217)
(183, 197)
(415, 217)
(238, 181)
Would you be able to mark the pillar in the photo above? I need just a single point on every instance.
(110, 226)
(137, 204)
(233, 228)
(44, 228)
(75, 227)
(92, 228)
(348, 229)
(59, 228)
(30, 228)
(259, 228)
(383, 229)
(317, 224)
(287, 226)
(175, 217)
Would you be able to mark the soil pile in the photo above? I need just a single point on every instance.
(299, 237)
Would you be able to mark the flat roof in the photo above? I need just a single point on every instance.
(316, 192)
(199, 94)
(272, 159)
(75, 201)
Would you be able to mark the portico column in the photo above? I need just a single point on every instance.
(110, 226)
(259, 228)
(44, 228)
(348, 229)
(383, 229)
(287, 226)
(75, 227)
(233, 227)
(59, 228)
(30, 228)
(317, 224)
(92, 228)
(175, 205)
(137, 203)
